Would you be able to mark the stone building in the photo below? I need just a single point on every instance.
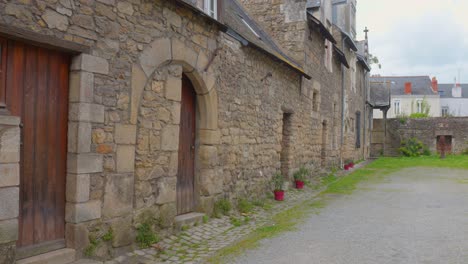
(320, 35)
(114, 113)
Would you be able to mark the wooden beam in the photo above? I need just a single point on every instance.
(42, 40)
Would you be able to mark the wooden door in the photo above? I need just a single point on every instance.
(37, 91)
(186, 171)
(444, 144)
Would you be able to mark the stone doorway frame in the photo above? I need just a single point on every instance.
(164, 52)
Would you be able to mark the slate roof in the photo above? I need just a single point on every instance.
(379, 94)
(445, 90)
(421, 85)
(232, 20)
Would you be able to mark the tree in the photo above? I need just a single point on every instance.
(374, 60)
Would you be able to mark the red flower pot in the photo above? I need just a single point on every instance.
(351, 165)
(279, 195)
(346, 167)
(299, 185)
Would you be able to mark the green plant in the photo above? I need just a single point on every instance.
(413, 147)
(91, 248)
(205, 219)
(419, 115)
(423, 112)
(236, 221)
(301, 174)
(222, 207)
(277, 181)
(402, 118)
(244, 206)
(184, 228)
(145, 235)
(109, 235)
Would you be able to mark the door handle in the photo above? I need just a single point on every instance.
(21, 125)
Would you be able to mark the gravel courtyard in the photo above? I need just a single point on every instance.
(415, 215)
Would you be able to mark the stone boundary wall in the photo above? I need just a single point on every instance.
(425, 130)
(9, 186)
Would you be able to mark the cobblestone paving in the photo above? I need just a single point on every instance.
(200, 242)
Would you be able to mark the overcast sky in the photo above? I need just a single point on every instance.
(417, 37)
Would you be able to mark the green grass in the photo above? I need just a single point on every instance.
(288, 220)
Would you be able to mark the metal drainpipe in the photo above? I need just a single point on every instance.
(342, 104)
(364, 118)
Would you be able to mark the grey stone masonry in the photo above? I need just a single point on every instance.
(9, 186)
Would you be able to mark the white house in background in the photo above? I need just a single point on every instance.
(454, 99)
(408, 94)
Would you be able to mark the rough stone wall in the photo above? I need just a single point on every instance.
(125, 106)
(285, 21)
(425, 130)
(9, 190)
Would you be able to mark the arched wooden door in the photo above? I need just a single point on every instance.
(35, 85)
(186, 169)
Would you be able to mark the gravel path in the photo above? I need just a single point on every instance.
(416, 215)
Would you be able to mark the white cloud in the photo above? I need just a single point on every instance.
(417, 37)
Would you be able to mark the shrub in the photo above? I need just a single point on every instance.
(419, 115)
(414, 148)
(145, 235)
(222, 207)
(301, 174)
(244, 206)
(277, 181)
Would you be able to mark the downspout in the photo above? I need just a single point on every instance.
(364, 118)
(342, 105)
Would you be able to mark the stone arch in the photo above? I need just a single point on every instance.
(168, 52)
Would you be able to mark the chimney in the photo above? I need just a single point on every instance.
(408, 89)
(435, 85)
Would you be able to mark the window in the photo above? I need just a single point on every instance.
(211, 8)
(419, 104)
(445, 111)
(315, 101)
(358, 129)
(396, 107)
(328, 55)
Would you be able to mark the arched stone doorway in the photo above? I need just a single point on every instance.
(170, 157)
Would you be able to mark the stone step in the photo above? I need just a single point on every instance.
(61, 256)
(87, 261)
(189, 219)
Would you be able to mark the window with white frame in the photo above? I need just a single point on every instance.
(397, 107)
(419, 106)
(211, 8)
(445, 110)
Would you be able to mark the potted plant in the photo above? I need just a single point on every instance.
(299, 177)
(278, 181)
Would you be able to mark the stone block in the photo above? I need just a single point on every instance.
(166, 190)
(10, 202)
(7, 120)
(81, 87)
(168, 213)
(118, 195)
(173, 89)
(125, 134)
(125, 158)
(208, 156)
(210, 137)
(182, 53)
(125, 8)
(175, 113)
(8, 231)
(123, 232)
(84, 163)
(155, 55)
(89, 63)
(85, 112)
(55, 20)
(77, 236)
(138, 84)
(8, 252)
(9, 144)
(170, 138)
(206, 205)
(211, 182)
(79, 137)
(78, 188)
(82, 212)
(9, 174)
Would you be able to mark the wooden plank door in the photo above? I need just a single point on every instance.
(37, 91)
(186, 171)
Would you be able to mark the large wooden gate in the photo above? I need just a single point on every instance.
(35, 88)
(186, 171)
